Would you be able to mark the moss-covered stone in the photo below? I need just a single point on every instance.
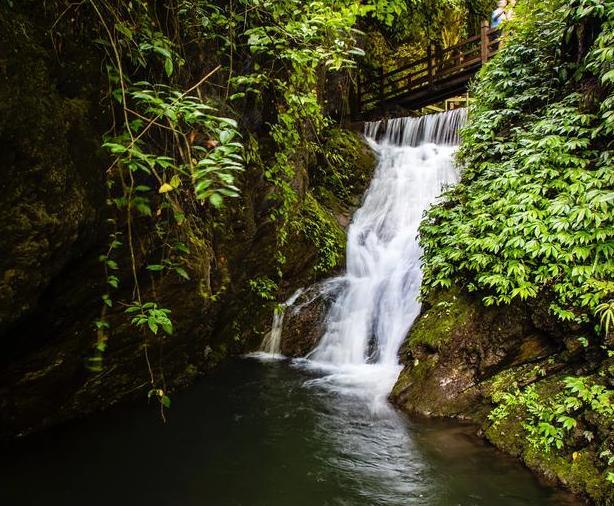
(578, 467)
(342, 172)
(459, 356)
(315, 245)
(453, 346)
(434, 327)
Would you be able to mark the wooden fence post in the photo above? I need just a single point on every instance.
(484, 41)
(429, 58)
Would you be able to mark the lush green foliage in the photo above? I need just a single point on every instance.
(532, 216)
(319, 225)
(302, 39)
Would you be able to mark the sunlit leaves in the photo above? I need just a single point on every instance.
(533, 211)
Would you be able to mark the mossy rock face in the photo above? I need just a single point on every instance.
(342, 172)
(52, 172)
(577, 465)
(216, 314)
(581, 470)
(459, 355)
(454, 345)
(53, 115)
(315, 246)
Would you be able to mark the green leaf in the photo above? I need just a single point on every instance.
(216, 200)
(153, 325)
(182, 272)
(166, 401)
(168, 67)
(175, 181)
(107, 300)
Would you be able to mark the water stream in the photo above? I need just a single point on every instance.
(270, 348)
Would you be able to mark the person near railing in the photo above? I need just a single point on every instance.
(503, 12)
(499, 14)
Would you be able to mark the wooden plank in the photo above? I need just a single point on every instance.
(484, 41)
(406, 77)
(466, 65)
(465, 42)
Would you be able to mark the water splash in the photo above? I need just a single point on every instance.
(378, 302)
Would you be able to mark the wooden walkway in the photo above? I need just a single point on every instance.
(436, 77)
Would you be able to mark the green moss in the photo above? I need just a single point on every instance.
(415, 373)
(508, 435)
(319, 227)
(578, 470)
(343, 169)
(48, 156)
(449, 310)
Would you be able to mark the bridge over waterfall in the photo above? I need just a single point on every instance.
(439, 75)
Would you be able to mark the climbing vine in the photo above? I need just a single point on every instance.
(170, 150)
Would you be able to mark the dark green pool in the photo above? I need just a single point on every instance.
(252, 434)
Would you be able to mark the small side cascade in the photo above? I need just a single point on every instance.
(271, 344)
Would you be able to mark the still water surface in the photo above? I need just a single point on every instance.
(253, 434)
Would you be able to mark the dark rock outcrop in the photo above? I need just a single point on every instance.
(459, 355)
(455, 345)
(52, 183)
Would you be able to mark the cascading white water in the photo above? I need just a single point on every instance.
(378, 303)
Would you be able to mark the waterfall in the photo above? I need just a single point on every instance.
(378, 303)
(271, 344)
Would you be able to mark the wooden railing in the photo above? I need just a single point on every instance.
(447, 69)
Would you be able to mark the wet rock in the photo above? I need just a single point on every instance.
(304, 322)
(52, 173)
(459, 355)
